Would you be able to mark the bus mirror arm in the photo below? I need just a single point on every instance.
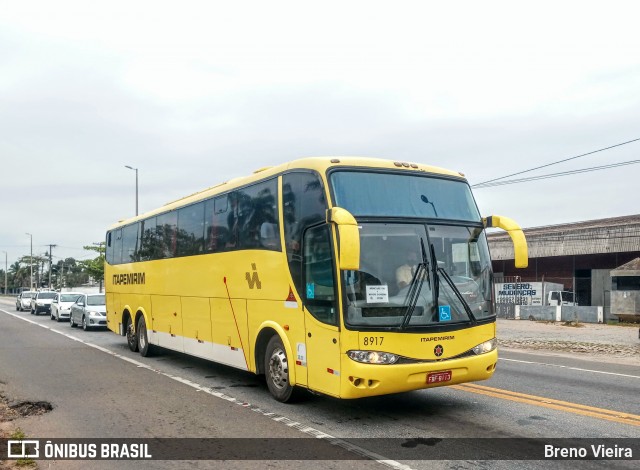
(348, 238)
(521, 254)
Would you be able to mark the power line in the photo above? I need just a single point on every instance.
(552, 175)
(555, 163)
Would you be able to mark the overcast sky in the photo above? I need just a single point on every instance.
(196, 92)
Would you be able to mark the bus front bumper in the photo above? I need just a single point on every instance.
(366, 380)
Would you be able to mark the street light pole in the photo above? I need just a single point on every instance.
(136, 170)
(6, 267)
(31, 263)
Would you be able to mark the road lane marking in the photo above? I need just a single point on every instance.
(201, 388)
(571, 368)
(584, 410)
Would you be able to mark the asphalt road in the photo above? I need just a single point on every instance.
(97, 391)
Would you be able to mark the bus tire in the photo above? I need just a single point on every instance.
(132, 336)
(144, 347)
(276, 366)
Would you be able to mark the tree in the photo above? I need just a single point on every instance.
(95, 267)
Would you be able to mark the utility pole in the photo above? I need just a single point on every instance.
(100, 246)
(51, 247)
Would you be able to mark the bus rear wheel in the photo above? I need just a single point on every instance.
(276, 366)
(132, 337)
(146, 349)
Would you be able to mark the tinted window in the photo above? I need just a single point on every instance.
(116, 241)
(148, 244)
(167, 234)
(216, 231)
(130, 240)
(319, 275)
(403, 195)
(243, 219)
(109, 249)
(46, 295)
(191, 230)
(304, 204)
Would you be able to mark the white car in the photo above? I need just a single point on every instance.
(41, 302)
(23, 301)
(61, 305)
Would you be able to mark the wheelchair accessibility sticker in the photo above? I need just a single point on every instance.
(444, 312)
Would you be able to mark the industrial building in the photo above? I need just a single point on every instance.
(580, 256)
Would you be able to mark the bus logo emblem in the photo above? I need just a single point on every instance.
(438, 350)
(252, 278)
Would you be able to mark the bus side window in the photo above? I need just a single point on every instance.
(109, 249)
(190, 230)
(167, 229)
(319, 275)
(148, 240)
(215, 224)
(117, 246)
(303, 204)
(130, 243)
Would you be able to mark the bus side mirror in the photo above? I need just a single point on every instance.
(349, 238)
(520, 250)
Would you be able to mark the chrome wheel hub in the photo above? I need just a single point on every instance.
(279, 369)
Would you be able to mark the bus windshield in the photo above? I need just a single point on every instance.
(418, 275)
(403, 195)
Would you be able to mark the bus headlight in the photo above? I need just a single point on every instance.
(372, 357)
(486, 347)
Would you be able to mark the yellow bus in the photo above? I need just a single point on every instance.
(347, 276)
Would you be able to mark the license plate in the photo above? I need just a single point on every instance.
(437, 377)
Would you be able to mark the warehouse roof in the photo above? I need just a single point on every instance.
(611, 235)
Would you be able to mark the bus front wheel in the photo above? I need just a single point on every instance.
(276, 368)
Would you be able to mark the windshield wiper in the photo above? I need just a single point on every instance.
(457, 292)
(416, 286)
(436, 280)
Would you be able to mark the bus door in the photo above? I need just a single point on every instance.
(321, 311)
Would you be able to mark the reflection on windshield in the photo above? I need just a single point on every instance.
(393, 279)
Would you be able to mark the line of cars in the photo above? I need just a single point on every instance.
(87, 310)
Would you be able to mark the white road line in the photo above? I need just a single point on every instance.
(571, 368)
(288, 422)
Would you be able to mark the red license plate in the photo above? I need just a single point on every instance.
(437, 377)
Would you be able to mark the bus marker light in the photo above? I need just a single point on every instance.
(286, 327)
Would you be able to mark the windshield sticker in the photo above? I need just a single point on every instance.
(378, 294)
(444, 312)
(311, 290)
